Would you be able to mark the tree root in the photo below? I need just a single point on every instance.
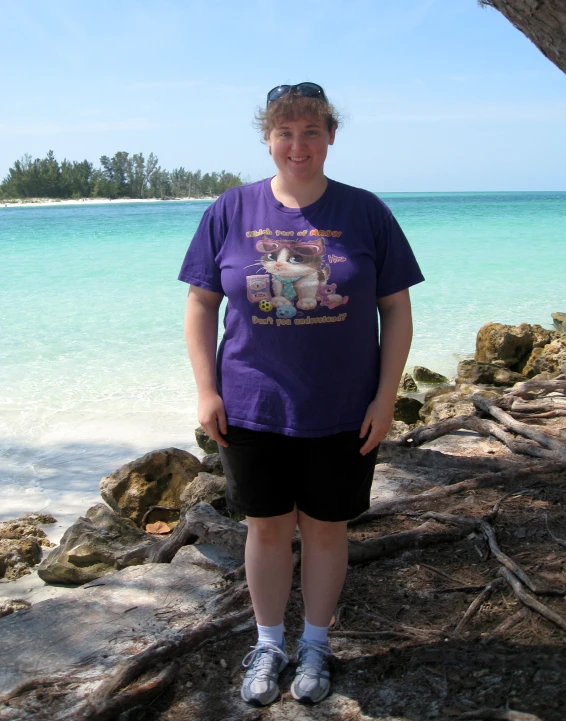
(512, 621)
(497, 715)
(504, 560)
(477, 603)
(531, 602)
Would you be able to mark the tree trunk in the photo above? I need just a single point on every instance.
(542, 21)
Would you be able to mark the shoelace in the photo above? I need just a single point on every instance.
(310, 656)
(264, 660)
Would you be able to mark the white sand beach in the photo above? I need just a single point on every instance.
(46, 202)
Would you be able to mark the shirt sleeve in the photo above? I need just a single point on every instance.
(396, 265)
(200, 266)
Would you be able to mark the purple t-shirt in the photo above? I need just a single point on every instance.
(300, 352)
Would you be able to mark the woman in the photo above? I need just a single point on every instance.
(300, 393)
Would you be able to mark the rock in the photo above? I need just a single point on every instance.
(213, 464)
(25, 527)
(17, 556)
(442, 403)
(407, 409)
(205, 441)
(93, 546)
(397, 429)
(424, 375)
(473, 372)
(87, 633)
(206, 487)
(509, 344)
(559, 320)
(11, 605)
(549, 359)
(408, 384)
(156, 479)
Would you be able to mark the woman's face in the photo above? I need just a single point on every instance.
(299, 148)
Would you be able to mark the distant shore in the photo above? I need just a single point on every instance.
(44, 202)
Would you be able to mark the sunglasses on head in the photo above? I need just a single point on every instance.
(310, 90)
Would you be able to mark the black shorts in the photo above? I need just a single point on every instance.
(269, 474)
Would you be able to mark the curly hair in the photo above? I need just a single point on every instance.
(294, 106)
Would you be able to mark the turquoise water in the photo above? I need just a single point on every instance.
(92, 359)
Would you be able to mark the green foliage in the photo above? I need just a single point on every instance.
(121, 176)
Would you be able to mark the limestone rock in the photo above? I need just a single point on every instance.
(207, 488)
(156, 479)
(559, 320)
(25, 527)
(213, 464)
(442, 403)
(471, 371)
(549, 359)
(11, 605)
(407, 409)
(424, 375)
(205, 441)
(408, 384)
(17, 556)
(509, 344)
(92, 546)
(397, 429)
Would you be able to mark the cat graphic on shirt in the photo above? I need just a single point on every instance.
(296, 271)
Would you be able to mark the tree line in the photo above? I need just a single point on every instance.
(121, 176)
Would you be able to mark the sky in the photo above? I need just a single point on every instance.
(436, 95)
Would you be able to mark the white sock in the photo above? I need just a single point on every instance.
(318, 634)
(270, 634)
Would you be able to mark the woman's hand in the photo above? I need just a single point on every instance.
(212, 417)
(378, 418)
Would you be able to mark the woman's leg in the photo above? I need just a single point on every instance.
(323, 566)
(269, 565)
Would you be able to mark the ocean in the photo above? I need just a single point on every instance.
(93, 367)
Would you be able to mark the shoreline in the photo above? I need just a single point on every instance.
(47, 202)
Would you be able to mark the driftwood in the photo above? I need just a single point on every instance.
(512, 621)
(535, 388)
(391, 451)
(544, 438)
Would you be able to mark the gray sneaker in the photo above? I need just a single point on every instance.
(264, 663)
(312, 680)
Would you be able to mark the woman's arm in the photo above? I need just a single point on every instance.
(201, 333)
(395, 341)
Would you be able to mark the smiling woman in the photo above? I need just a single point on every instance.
(296, 327)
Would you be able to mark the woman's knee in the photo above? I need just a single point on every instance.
(273, 531)
(322, 534)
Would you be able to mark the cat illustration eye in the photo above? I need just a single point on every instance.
(307, 250)
(294, 259)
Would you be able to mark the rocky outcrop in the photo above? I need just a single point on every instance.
(93, 546)
(510, 346)
(205, 441)
(408, 384)
(451, 401)
(156, 479)
(11, 605)
(407, 410)
(559, 320)
(396, 430)
(207, 488)
(27, 527)
(473, 372)
(17, 556)
(549, 359)
(212, 464)
(428, 377)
